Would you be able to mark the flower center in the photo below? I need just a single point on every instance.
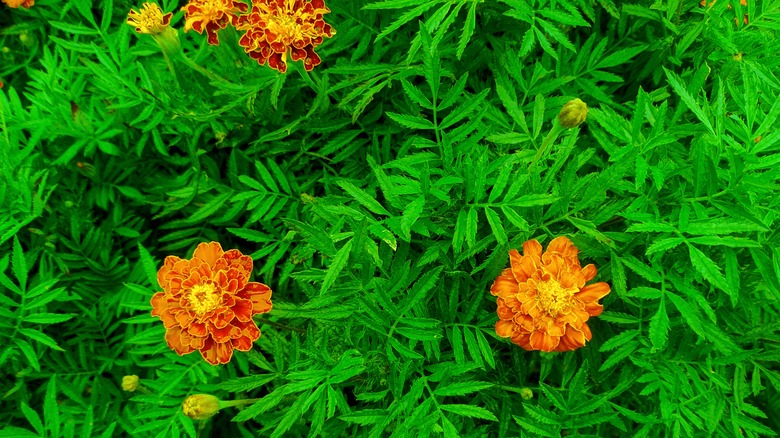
(283, 25)
(204, 298)
(552, 297)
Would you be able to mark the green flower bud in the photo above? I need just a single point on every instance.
(200, 406)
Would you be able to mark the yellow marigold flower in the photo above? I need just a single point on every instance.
(200, 406)
(211, 16)
(275, 28)
(150, 20)
(17, 3)
(573, 113)
(208, 302)
(543, 302)
(130, 383)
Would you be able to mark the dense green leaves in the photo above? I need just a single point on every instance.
(379, 195)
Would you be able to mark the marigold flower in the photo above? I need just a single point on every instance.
(17, 3)
(543, 302)
(275, 28)
(200, 406)
(130, 383)
(211, 16)
(150, 20)
(207, 303)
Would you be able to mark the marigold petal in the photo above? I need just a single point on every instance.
(560, 244)
(184, 319)
(543, 341)
(594, 308)
(173, 338)
(216, 353)
(593, 292)
(168, 319)
(159, 303)
(243, 310)
(198, 329)
(259, 294)
(589, 272)
(209, 252)
(504, 328)
(223, 318)
(505, 284)
(168, 265)
(522, 340)
(532, 248)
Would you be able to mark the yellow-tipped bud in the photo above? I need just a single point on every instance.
(573, 113)
(130, 383)
(200, 406)
(526, 393)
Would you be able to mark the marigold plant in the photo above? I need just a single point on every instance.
(543, 302)
(275, 28)
(207, 303)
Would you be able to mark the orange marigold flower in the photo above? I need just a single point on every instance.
(17, 3)
(211, 16)
(207, 303)
(275, 28)
(543, 302)
(150, 20)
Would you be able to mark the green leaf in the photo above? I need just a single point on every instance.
(40, 337)
(28, 352)
(363, 198)
(51, 411)
(689, 100)
(19, 264)
(420, 289)
(48, 318)
(664, 245)
(484, 346)
(33, 418)
(413, 122)
(534, 428)
(469, 411)
(659, 327)
(461, 388)
(335, 268)
(707, 268)
(496, 227)
(148, 264)
(468, 30)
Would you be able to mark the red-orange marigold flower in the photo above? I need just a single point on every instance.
(543, 302)
(275, 28)
(17, 3)
(207, 303)
(211, 16)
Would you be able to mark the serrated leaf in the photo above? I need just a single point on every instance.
(40, 337)
(484, 346)
(19, 264)
(148, 264)
(413, 122)
(618, 340)
(495, 225)
(468, 30)
(461, 388)
(707, 268)
(534, 428)
(664, 245)
(51, 411)
(690, 102)
(469, 411)
(335, 268)
(619, 355)
(659, 327)
(48, 318)
(32, 416)
(363, 198)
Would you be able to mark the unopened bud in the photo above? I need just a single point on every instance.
(200, 406)
(526, 393)
(573, 113)
(130, 383)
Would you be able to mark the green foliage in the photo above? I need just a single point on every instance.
(379, 195)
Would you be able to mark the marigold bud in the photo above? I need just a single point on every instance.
(130, 383)
(526, 394)
(200, 406)
(573, 113)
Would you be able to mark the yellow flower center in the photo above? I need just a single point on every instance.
(552, 297)
(204, 298)
(210, 10)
